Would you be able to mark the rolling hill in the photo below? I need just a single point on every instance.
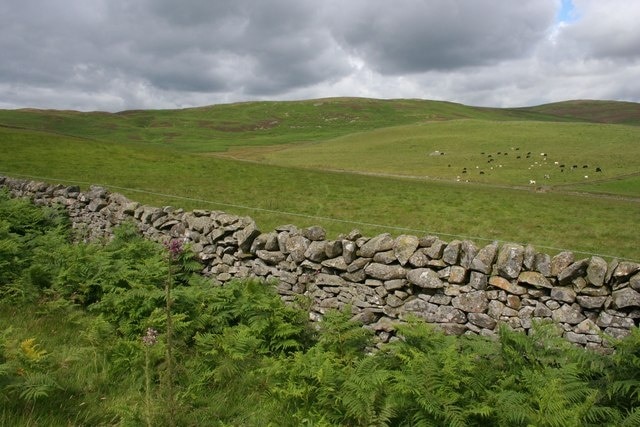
(377, 165)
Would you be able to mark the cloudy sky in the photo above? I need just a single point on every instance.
(114, 55)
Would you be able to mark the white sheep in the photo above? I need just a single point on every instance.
(532, 182)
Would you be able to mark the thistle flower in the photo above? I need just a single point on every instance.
(150, 337)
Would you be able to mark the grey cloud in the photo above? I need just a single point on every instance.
(118, 54)
(606, 30)
(418, 36)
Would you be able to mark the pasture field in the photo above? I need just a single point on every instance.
(356, 163)
(502, 153)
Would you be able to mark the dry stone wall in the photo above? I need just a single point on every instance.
(458, 285)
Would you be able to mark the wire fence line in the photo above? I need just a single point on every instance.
(314, 217)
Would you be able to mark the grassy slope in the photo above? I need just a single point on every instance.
(491, 152)
(119, 150)
(215, 128)
(592, 111)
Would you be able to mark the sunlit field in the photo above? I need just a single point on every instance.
(421, 167)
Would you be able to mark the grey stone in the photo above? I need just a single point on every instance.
(436, 263)
(358, 264)
(478, 280)
(385, 272)
(634, 282)
(425, 278)
(457, 274)
(483, 261)
(418, 305)
(626, 297)
(617, 333)
(436, 249)
(610, 269)
(333, 248)
(608, 319)
(427, 241)
(542, 264)
(451, 252)
(502, 283)
(573, 271)
(386, 257)
(525, 314)
(259, 268)
(349, 249)
(354, 235)
(594, 292)
(625, 269)
(384, 324)
(596, 271)
(404, 247)
(366, 317)
(373, 283)
(552, 304)
(587, 326)
(97, 205)
(568, 314)
(591, 302)
(575, 338)
(246, 236)
(315, 251)
(401, 294)
(563, 294)
(270, 257)
(509, 261)
(514, 301)
(337, 263)
(201, 224)
(472, 302)
(447, 314)
(392, 285)
(529, 260)
(509, 312)
(419, 259)
(296, 246)
(129, 208)
(482, 320)
(535, 279)
(380, 243)
(444, 273)
(561, 261)
(468, 251)
(283, 238)
(314, 233)
(452, 328)
(393, 301)
(440, 299)
(542, 310)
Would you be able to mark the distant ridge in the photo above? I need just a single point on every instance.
(216, 127)
(617, 112)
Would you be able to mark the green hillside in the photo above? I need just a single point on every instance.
(349, 163)
(593, 111)
(482, 151)
(215, 128)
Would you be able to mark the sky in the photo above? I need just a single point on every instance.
(114, 55)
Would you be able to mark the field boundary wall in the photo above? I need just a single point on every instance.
(457, 285)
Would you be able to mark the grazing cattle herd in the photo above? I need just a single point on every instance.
(542, 161)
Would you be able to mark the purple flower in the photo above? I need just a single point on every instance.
(150, 337)
(174, 246)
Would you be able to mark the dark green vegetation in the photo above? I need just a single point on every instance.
(73, 318)
(360, 163)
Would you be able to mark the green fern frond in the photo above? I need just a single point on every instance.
(632, 419)
(35, 385)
